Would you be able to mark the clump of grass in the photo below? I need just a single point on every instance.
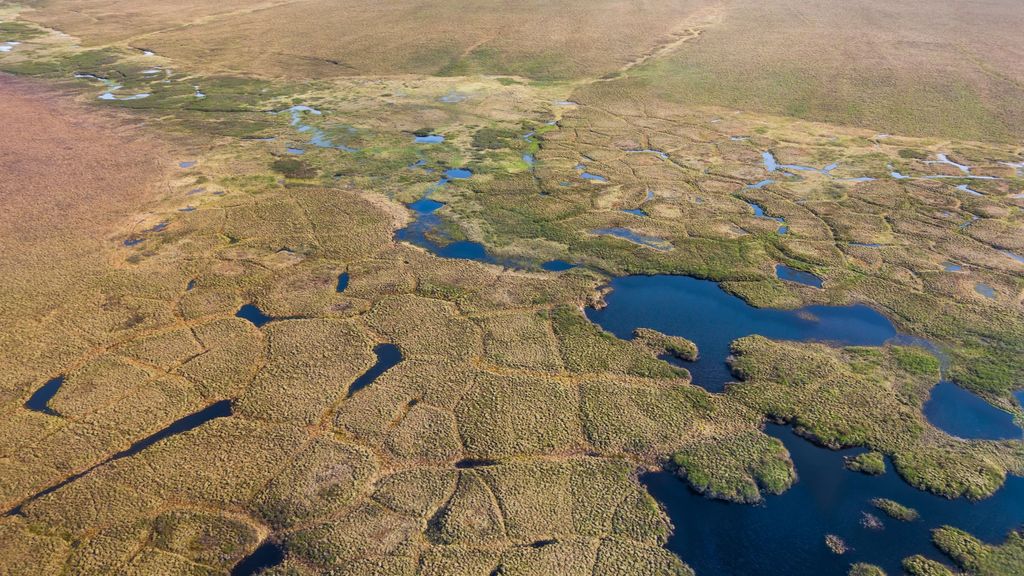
(912, 154)
(294, 168)
(489, 138)
(916, 361)
(214, 539)
(14, 30)
(920, 566)
(836, 544)
(871, 463)
(863, 569)
(895, 510)
(756, 463)
(674, 346)
(871, 522)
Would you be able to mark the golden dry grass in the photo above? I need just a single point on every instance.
(564, 39)
(72, 178)
(918, 68)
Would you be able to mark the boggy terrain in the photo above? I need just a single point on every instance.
(345, 324)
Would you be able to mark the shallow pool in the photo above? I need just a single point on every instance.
(712, 318)
(961, 413)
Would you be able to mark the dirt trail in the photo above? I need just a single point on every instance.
(693, 27)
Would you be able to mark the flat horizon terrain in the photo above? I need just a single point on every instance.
(430, 287)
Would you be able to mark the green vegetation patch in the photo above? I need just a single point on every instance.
(863, 569)
(895, 510)
(920, 566)
(871, 463)
(977, 557)
(866, 397)
(755, 463)
(294, 168)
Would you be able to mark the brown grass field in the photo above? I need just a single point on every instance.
(548, 40)
(910, 67)
(72, 178)
(951, 69)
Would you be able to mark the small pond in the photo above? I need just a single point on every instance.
(40, 399)
(799, 276)
(388, 355)
(253, 314)
(267, 555)
(557, 266)
(652, 242)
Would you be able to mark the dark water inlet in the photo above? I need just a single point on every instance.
(267, 555)
(712, 318)
(786, 534)
(799, 276)
(959, 412)
(469, 463)
(557, 266)
(220, 409)
(425, 230)
(388, 355)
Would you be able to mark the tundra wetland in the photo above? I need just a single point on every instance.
(583, 288)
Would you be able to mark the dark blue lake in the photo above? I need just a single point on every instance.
(962, 413)
(425, 232)
(427, 222)
(704, 313)
(786, 534)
